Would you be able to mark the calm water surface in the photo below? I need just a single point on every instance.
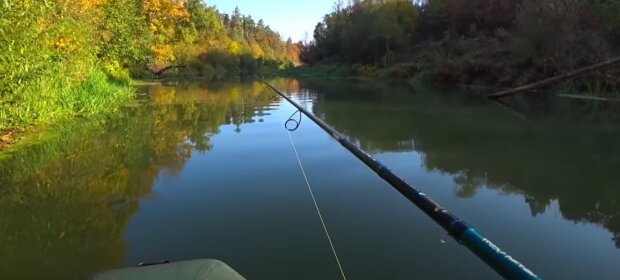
(207, 171)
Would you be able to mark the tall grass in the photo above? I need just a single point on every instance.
(51, 97)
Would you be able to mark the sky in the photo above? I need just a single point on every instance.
(290, 18)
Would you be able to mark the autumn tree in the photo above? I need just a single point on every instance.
(164, 17)
(125, 38)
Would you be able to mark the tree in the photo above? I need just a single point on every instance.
(236, 25)
(164, 17)
(609, 13)
(206, 21)
(124, 34)
(554, 34)
(366, 31)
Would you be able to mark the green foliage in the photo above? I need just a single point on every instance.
(48, 65)
(206, 21)
(124, 36)
(48, 98)
(496, 42)
(366, 31)
(37, 40)
(609, 13)
(474, 16)
(556, 36)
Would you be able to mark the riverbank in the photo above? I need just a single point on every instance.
(484, 76)
(51, 99)
(98, 94)
(77, 58)
(585, 98)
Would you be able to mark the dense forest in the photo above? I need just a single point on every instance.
(488, 42)
(68, 57)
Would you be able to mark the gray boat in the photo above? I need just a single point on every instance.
(205, 269)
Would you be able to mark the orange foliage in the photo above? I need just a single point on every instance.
(292, 54)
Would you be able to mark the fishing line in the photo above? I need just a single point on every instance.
(316, 205)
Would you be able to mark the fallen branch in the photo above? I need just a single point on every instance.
(159, 74)
(555, 79)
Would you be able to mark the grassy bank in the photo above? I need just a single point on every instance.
(52, 97)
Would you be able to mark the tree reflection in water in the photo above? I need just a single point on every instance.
(481, 146)
(65, 200)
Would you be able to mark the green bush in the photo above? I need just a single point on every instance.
(48, 65)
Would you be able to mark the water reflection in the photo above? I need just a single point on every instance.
(74, 203)
(66, 200)
(482, 146)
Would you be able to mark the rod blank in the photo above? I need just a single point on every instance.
(492, 255)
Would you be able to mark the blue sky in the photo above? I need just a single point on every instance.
(291, 18)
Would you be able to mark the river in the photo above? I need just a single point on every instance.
(207, 170)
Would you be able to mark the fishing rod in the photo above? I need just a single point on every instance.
(491, 254)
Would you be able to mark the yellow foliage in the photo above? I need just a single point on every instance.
(164, 18)
(164, 15)
(234, 48)
(163, 53)
(62, 43)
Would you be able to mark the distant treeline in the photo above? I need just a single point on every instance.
(499, 42)
(65, 57)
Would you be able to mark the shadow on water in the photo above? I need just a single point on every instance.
(65, 201)
(483, 146)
